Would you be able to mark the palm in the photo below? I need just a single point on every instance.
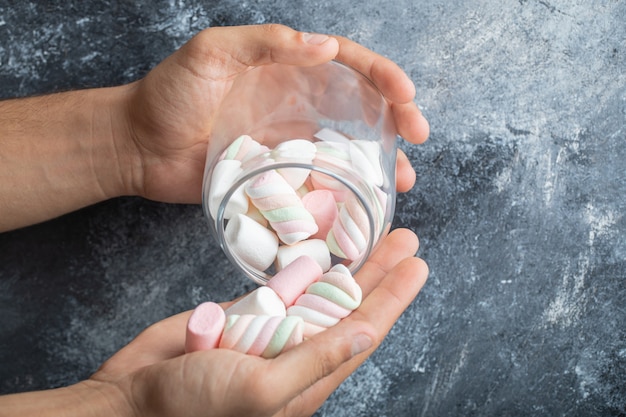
(230, 383)
(170, 111)
(171, 115)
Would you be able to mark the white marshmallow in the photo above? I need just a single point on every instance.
(365, 157)
(253, 243)
(315, 248)
(223, 177)
(331, 135)
(261, 302)
(299, 151)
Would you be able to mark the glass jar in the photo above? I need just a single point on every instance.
(325, 131)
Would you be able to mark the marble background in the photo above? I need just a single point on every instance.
(519, 203)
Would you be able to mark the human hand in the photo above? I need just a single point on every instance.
(169, 114)
(154, 376)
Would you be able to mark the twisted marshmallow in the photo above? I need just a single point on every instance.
(348, 236)
(365, 156)
(327, 301)
(243, 149)
(265, 336)
(331, 154)
(282, 207)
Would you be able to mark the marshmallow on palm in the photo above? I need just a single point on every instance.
(261, 302)
(265, 336)
(259, 323)
(204, 328)
(327, 301)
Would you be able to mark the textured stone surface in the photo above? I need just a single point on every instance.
(519, 204)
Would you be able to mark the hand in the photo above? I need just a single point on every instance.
(156, 378)
(169, 115)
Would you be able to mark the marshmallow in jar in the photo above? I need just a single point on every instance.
(301, 161)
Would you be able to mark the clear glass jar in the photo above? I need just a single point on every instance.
(324, 128)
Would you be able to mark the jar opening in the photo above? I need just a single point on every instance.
(361, 202)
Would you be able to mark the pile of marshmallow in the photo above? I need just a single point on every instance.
(281, 214)
(296, 303)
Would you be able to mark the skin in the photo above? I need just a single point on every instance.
(65, 151)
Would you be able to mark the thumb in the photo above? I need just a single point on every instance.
(316, 358)
(247, 46)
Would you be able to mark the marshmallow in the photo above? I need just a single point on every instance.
(261, 302)
(294, 278)
(322, 206)
(331, 155)
(204, 328)
(297, 151)
(224, 175)
(256, 215)
(305, 188)
(243, 149)
(381, 205)
(348, 236)
(265, 336)
(250, 241)
(327, 301)
(331, 135)
(365, 156)
(281, 206)
(315, 248)
(322, 181)
(337, 153)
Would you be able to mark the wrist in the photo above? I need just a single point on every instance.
(85, 399)
(115, 162)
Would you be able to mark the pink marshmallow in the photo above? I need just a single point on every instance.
(323, 207)
(204, 328)
(293, 280)
(322, 181)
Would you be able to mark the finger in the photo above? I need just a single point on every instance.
(405, 174)
(380, 310)
(322, 355)
(248, 46)
(393, 83)
(314, 359)
(410, 122)
(387, 75)
(384, 305)
(398, 245)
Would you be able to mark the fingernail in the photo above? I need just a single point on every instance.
(361, 343)
(315, 38)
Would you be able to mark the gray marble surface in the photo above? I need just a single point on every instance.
(519, 204)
